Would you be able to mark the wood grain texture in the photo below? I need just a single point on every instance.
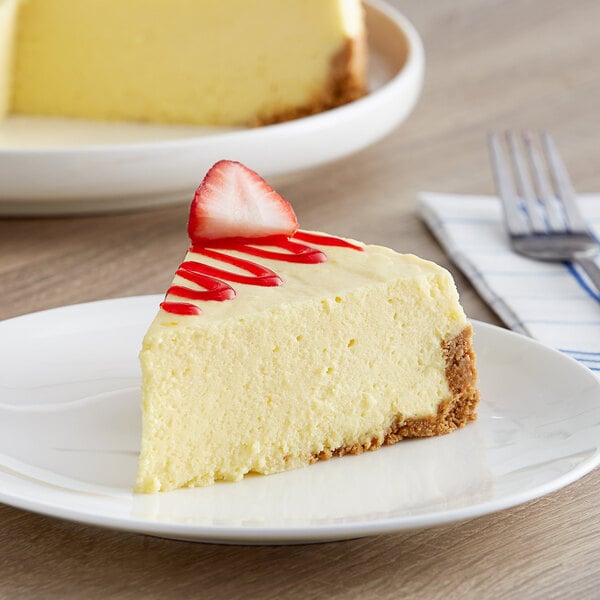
(491, 64)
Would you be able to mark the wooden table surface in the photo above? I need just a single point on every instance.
(490, 65)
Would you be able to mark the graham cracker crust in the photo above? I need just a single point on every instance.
(453, 413)
(347, 82)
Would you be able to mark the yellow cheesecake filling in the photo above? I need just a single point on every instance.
(341, 355)
(204, 62)
(8, 11)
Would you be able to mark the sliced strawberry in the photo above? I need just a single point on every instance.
(233, 201)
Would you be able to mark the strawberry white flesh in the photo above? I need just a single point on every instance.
(235, 202)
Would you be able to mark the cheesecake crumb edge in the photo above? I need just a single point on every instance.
(453, 413)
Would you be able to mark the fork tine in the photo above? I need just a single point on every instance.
(515, 219)
(562, 184)
(554, 219)
(531, 205)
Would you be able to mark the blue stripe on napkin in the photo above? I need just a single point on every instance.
(552, 302)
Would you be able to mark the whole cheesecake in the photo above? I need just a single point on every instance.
(277, 347)
(202, 62)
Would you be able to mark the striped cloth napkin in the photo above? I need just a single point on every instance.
(552, 302)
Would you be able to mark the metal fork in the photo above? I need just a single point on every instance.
(543, 223)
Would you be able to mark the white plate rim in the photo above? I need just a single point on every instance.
(305, 533)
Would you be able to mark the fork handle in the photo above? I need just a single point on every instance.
(591, 268)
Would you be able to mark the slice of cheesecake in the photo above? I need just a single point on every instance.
(277, 347)
(203, 62)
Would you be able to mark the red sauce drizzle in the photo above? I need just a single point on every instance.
(211, 279)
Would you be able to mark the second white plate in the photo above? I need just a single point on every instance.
(66, 166)
(70, 433)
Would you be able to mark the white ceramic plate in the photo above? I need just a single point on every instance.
(70, 431)
(53, 166)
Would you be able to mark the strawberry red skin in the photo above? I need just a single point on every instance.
(235, 202)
